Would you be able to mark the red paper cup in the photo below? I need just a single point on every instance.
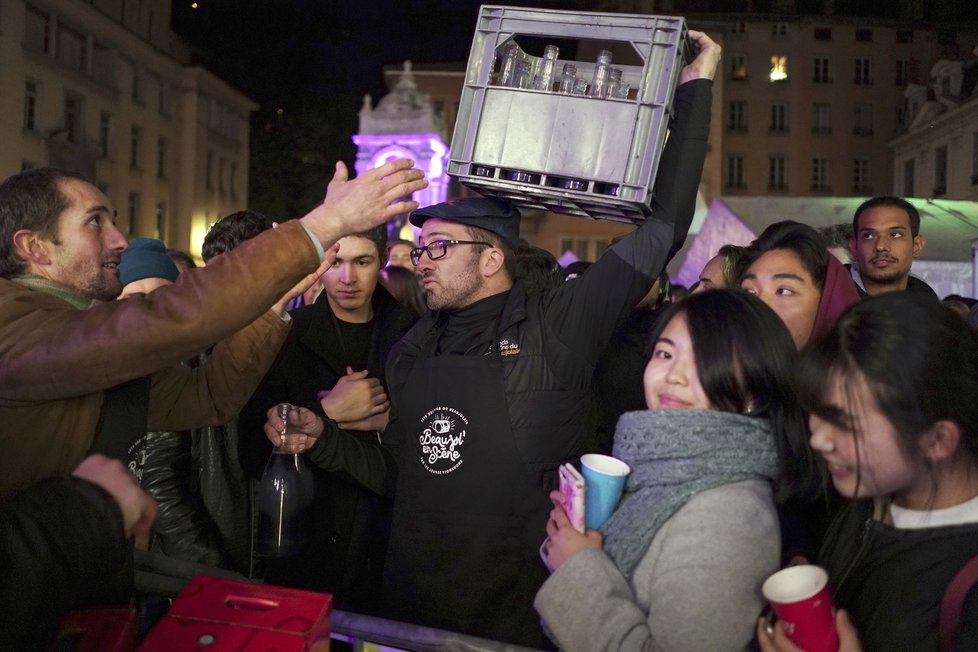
(800, 597)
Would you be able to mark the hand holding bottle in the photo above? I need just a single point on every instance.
(300, 433)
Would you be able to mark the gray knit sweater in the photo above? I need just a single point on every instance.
(696, 588)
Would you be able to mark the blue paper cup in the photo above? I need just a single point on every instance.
(605, 479)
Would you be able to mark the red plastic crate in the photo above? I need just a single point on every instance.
(214, 614)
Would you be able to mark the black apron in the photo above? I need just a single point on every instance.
(469, 518)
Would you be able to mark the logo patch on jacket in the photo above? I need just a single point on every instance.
(508, 348)
(441, 440)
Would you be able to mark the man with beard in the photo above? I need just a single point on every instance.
(80, 373)
(886, 239)
(490, 391)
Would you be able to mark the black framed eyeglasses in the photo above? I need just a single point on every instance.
(439, 248)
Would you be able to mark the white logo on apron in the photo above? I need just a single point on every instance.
(442, 436)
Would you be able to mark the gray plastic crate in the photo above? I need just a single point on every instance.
(524, 145)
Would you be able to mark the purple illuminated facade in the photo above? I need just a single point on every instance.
(403, 126)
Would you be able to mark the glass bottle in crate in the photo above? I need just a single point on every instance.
(567, 77)
(283, 495)
(544, 79)
(507, 67)
(614, 82)
(599, 81)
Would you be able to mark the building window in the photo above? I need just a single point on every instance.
(821, 118)
(779, 29)
(104, 133)
(863, 120)
(566, 244)
(161, 154)
(864, 35)
(583, 246)
(164, 99)
(777, 176)
(220, 175)
(908, 175)
(30, 105)
(234, 179)
(947, 38)
(738, 28)
(72, 48)
(904, 36)
(823, 34)
(902, 77)
(135, 147)
(737, 120)
(860, 176)
(132, 212)
(160, 227)
(37, 30)
(209, 171)
(822, 75)
(940, 171)
(864, 71)
(779, 118)
(73, 119)
(779, 69)
(137, 85)
(738, 67)
(820, 174)
(735, 172)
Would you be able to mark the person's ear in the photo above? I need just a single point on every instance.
(853, 248)
(492, 261)
(918, 245)
(941, 441)
(32, 247)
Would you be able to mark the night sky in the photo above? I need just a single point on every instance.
(308, 63)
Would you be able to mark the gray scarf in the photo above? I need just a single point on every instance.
(674, 455)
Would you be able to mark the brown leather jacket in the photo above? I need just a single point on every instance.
(57, 361)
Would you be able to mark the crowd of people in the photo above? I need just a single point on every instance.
(793, 408)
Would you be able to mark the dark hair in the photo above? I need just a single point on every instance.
(745, 358)
(231, 230)
(509, 256)
(31, 200)
(181, 257)
(403, 285)
(537, 268)
(734, 263)
(837, 235)
(918, 361)
(801, 239)
(378, 236)
(913, 215)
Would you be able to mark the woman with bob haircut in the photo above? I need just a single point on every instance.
(679, 563)
(893, 394)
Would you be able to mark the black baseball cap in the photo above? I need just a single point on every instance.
(494, 215)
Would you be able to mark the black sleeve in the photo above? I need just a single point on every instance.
(182, 526)
(59, 541)
(354, 458)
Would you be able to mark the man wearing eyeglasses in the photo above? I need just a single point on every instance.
(490, 391)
